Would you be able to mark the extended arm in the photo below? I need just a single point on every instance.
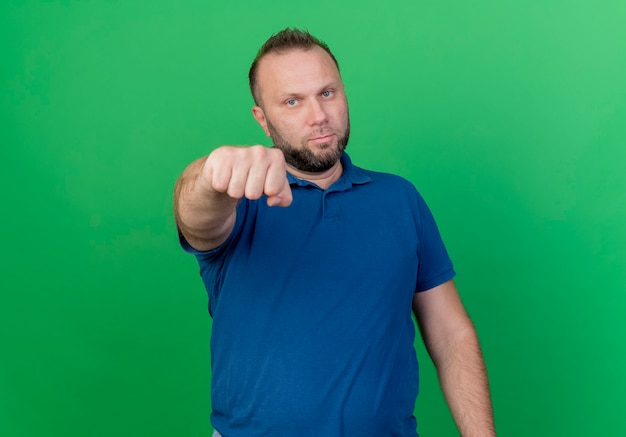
(451, 341)
(206, 194)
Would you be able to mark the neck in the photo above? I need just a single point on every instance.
(324, 179)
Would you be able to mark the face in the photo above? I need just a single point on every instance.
(303, 108)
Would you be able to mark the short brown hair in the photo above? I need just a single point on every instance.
(281, 42)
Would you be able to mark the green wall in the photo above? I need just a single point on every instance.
(510, 117)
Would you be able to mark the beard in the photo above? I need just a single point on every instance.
(303, 158)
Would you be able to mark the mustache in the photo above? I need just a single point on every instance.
(322, 133)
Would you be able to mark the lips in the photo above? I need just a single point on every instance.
(322, 138)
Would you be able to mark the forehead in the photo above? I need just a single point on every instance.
(297, 68)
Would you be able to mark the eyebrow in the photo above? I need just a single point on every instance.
(329, 85)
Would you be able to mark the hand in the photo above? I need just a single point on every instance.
(249, 172)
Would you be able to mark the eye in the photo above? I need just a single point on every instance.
(291, 102)
(327, 93)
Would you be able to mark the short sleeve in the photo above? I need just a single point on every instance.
(435, 265)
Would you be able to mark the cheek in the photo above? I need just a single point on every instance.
(290, 127)
(341, 117)
(341, 110)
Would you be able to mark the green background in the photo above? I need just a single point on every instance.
(510, 118)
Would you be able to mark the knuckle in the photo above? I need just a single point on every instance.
(219, 186)
(277, 154)
(273, 186)
(253, 193)
(234, 192)
(257, 152)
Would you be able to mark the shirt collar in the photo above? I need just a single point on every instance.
(351, 175)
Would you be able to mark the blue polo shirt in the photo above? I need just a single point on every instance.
(312, 331)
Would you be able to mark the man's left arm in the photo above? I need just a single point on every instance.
(451, 341)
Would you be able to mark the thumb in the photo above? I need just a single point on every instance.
(283, 198)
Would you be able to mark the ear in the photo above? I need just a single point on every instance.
(259, 116)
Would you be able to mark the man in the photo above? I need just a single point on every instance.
(313, 265)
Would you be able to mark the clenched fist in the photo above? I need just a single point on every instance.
(249, 172)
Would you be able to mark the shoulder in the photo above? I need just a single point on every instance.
(388, 178)
(394, 193)
(390, 183)
(357, 175)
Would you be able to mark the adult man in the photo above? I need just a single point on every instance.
(312, 266)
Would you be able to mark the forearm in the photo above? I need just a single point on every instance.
(203, 215)
(463, 377)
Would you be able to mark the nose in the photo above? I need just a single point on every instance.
(317, 114)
